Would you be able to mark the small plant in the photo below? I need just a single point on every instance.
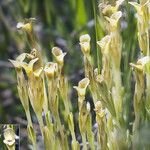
(45, 86)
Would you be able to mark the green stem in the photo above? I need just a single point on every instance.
(96, 33)
(40, 120)
(11, 147)
(28, 117)
(84, 141)
(30, 124)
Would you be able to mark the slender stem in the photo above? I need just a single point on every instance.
(40, 120)
(96, 33)
(28, 117)
(84, 141)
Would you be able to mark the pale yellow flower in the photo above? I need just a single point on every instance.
(58, 55)
(82, 85)
(85, 43)
(9, 137)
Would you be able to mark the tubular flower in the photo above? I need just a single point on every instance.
(85, 43)
(113, 20)
(51, 69)
(58, 55)
(143, 17)
(82, 85)
(35, 82)
(22, 84)
(104, 44)
(27, 27)
(108, 10)
(9, 137)
(142, 64)
(18, 62)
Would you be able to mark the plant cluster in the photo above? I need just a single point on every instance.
(45, 86)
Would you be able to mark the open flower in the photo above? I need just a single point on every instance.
(18, 62)
(113, 20)
(142, 10)
(142, 64)
(82, 85)
(9, 137)
(108, 9)
(29, 66)
(58, 55)
(85, 43)
(26, 25)
(50, 69)
(104, 44)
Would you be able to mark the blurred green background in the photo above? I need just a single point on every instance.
(58, 23)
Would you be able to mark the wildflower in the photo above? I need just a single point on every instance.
(18, 62)
(105, 44)
(22, 85)
(85, 43)
(9, 137)
(50, 69)
(113, 20)
(108, 10)
(27, 28)
(82, 85)
(26, 25)
(58, 55)
(142, 64)
(143, 17)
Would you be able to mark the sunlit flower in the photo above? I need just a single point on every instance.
(142, 64)
(113, 20)
(18, 62)
(58, 55)
(85, 43)
(50, 69)
(104, 44)
(82, 85)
